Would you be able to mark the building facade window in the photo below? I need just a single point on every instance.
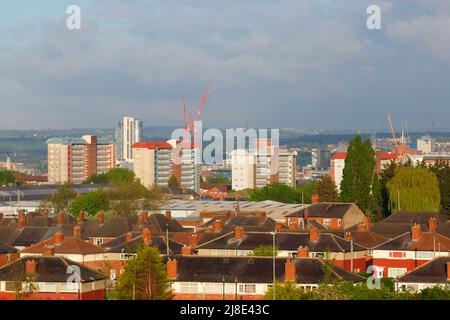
(247, 288)
(396, 272)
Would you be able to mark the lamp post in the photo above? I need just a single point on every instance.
(273, 262)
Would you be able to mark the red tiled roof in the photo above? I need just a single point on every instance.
(385, 155)
(339, 155)
(152, 145)
(70, 245)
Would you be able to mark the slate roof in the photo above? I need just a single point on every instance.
(284, 241)
(434, 271)
(50, 269)
(249, 223)
(410, 217)
(444, 229)
(324, 209)
(426, 242)
(368, 239)
(5, 248)
(160, 242)
(70, 245)
(253, 270)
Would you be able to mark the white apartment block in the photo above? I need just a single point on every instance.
(257, 169)
(76, 159)
(128, 133)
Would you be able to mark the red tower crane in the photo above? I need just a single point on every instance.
(190, 126)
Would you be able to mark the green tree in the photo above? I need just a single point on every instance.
(307, 189)
(276, 192)
(414, 189)
(92, 203)
(115, 175)
(287, 291)
(173, 182)
(359, 174)
(8, 177)
(61, 200)
(326, 189)
(264, 251)
(435, 293)
(217, 180)
(441, 169)
(144, 277)
(386, 175)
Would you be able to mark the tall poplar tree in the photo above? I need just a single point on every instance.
(359, 175)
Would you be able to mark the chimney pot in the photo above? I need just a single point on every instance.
(238, 233)
(348, 236)
(59, 238)
(194, 240)
(186, 251)
(416, 232)
(60, 218)
(49, 251)
(306, 213)
(278, 226)
(31, 267)
(290, 272)
(302, 252)
(217, 226)
(172, 269)
(22, 219)
(77, 232)
(45, 213)
(168, 214)
(315, 198)
(129, 237)
(147, 236)
(81, 216)
(101, 218)
(432, 224)
(313, 234)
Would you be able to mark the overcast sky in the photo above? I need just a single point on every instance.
(277, 63)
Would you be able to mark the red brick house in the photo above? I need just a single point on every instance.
(7, 253)
(434, 273)
(409, 251)
(336, 216)
(243, 278)
(341, 251)
(50, 278)
(215, 191)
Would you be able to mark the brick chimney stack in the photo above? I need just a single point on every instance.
(49, 251)
(448, 271)
(129, 237)
(238, 233)
(313, 234)
(186, 251)
(59, 238)
(31, 267)
(432, 224)
(209, 229)
(366, 223)
(290, 272)
(1, 216)
(168, 214)
(45, 213)
(101, 218)
(217, 226)
(416, 232)
(77, 231)
(145, 215)
(172, 269)
(22, 219)
(81, 217)
(194, 240)
(315, 198)
(348, 236)
(302, 252)
(278, 226)
(60, 218)
(147, 236)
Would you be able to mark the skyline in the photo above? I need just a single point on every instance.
(307, 59)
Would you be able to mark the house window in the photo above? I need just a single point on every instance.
(69, 287)
(188, 287)
(339, 222)
(213, 288)
(397, 254)
(13, 286)
(112, 274)
(424, 255)
(98, 241)
(47, 286)
(396, 272)
(247, 288)
(127, 256)
(327, 222)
